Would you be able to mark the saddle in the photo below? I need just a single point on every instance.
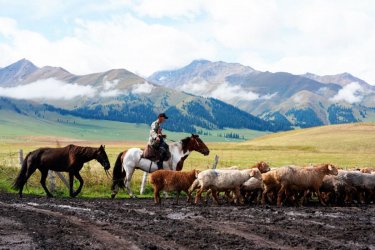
(153, 154)
(150, 153)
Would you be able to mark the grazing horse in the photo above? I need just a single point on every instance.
(67, 159)
(131, 159)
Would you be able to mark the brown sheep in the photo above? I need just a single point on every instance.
(262, 166)
(169, 180)
(304, 179)
(367, 170)
(271, 184)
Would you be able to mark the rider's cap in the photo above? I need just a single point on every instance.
(163, 115)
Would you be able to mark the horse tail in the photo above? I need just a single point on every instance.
(21, 178)
(119, 173)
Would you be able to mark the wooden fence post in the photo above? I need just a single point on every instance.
(215, 162)
(61, 176)
(20, 157)
(51, 178)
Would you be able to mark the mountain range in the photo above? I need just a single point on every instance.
(203, 94)
(280, 98)
(117, 95)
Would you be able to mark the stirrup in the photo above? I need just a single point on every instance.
(160, 165)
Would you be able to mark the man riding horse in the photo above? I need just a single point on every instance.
(157, 147)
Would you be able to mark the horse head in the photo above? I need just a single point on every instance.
(102, 158)
(196, 144)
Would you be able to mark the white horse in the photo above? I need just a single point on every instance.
(130, 160)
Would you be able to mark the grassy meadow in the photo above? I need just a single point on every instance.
(348, 145)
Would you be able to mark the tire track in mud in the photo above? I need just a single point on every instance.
(106, 239)
(138, 224)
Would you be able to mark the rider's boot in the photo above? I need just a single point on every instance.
(160, 165)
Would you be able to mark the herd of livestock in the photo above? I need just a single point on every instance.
(287, 185)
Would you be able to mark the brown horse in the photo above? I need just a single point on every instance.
(67, 159)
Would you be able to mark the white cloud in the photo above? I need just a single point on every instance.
(111, 93)
(169, 8)
(48, 89)
(324, 37)
(200, 88)
(121, 42)
(224, 91)
(350, 93)
(107, 85)
(268, 96)
(227, 92)
(52, 89)
(144, 88)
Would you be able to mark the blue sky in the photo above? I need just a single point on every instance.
(322, 37)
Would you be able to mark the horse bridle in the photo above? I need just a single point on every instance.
(198, 145)
(100, 159)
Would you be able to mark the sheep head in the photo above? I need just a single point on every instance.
(255, 173)
(196, 172)
(332, 170)
(264, 167)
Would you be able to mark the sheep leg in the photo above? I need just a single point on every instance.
(320, 197)
(361, 197)
(189, 196)
(280, 195)
(228, 197)
(177, 196)
(259, 197)
(303, 199)
(238, 195)
(264, 193)
(254, 195)
(198, 195)
(216, 198)
(208, 194)
(156, 196)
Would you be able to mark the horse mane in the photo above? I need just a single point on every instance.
(81, 151)
(185, 143)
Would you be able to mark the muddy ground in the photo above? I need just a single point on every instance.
(59, 223)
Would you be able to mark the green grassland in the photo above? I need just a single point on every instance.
(347, 145)
(15, 126)
(30, 132)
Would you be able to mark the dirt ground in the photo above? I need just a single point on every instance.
(59, 223)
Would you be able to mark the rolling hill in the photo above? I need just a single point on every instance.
(350, 138)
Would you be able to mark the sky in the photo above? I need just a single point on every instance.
(296, 36)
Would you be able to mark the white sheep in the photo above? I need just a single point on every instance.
(253, 186)
(221, 180)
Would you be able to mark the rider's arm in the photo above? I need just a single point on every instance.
(153, 131)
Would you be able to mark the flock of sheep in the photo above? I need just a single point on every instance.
(288, 185)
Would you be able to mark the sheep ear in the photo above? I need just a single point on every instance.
(252, 173)
(329, 167)
(196, 173)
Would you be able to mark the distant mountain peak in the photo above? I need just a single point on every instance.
(200, 61)
(22, 63)
(16, 72)
(200, 70)
(341, 79)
